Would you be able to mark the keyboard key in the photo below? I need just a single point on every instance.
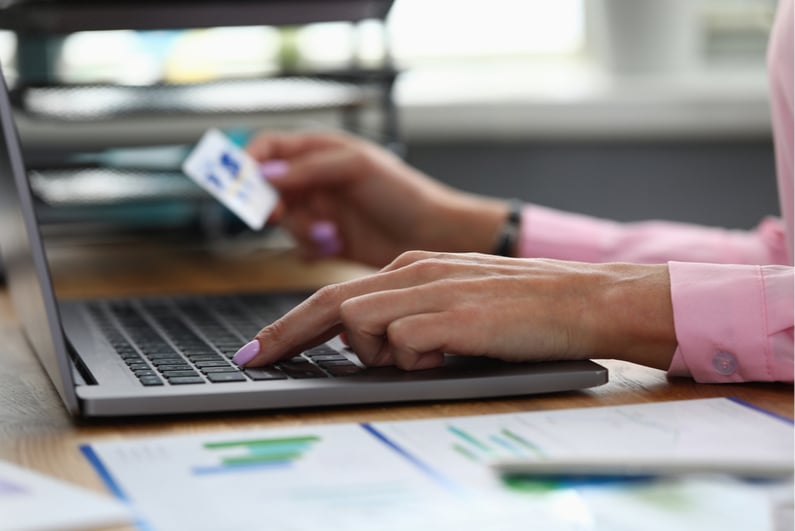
(218, 377)
(163, 355)
(220, 363)
(175, 360)
(179, 374)
(138, 366)
(175, 367)
(150, 381)
(344, 370)
(156, 348)
(310, 371)
(141, 374)
(231, 343)
(170, 361)
(183, 380)
(259, 373)
(295, 363)
(329, 357)
(343, 361)
(228, 368)
(320, 350)
(205, 357)
(197, 350)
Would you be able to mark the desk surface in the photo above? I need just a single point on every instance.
(36, 431)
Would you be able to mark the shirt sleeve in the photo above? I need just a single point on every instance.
(732, 291)
(733, 317)
(551, 233)
(733, 323)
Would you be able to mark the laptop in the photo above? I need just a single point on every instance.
(172, 354)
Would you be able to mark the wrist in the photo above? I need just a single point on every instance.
(634, 316)
(474, 224)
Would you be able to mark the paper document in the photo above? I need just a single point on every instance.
(436, 473)
(30, 501)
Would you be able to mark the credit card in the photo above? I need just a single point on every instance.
(232, 176)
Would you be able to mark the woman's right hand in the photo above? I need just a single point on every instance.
(425, 304)
(343, 196)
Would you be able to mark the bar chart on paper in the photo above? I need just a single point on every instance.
(462, 448)
(504, 442)
(301, 478)
(255, 454)
(435, 473)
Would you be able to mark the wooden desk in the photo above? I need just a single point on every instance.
(36, 432)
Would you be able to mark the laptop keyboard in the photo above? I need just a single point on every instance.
(192, 341)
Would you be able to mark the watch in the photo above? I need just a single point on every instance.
(509, 232)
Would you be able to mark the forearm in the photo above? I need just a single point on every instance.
(566, 236)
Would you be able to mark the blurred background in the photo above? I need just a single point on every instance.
(625, 109)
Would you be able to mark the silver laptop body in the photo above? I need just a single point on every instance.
(94, 378)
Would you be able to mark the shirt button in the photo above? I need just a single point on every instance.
(725, 363)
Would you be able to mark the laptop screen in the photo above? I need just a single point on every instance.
(24, 260)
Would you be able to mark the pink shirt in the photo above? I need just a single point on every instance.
(732, 291)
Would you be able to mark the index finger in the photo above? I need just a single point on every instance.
(317, 319)
(287, 145)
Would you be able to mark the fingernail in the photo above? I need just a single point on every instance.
(246, 353)
(324, 235)
(273, 169)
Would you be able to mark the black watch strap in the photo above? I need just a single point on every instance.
(509, 232)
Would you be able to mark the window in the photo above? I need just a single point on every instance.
(8, 45)
(424, 31)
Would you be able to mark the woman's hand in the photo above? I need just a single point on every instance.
(425, 304)
(343, 196)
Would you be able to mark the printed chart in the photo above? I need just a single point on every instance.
(255, 454)
(328, 477)
(436, 474)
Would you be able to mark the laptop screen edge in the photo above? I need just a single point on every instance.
(24, 257)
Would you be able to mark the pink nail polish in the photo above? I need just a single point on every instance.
(324, 234)
(246, 353)
(273, 169)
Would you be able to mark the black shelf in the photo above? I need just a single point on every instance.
(67, 16)
(94, 186)
(68, 190)
(228, 97)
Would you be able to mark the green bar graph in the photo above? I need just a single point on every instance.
(522, 441)
(471, 439)
(267, 458)
(465, 452)
(488, 446)
(256, 454)
(306, 439)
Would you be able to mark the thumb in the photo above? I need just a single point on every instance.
(329, 168)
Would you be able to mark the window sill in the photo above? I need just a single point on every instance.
(493, 102)
(577, 101)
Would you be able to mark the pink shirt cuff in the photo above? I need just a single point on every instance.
(733, 322)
